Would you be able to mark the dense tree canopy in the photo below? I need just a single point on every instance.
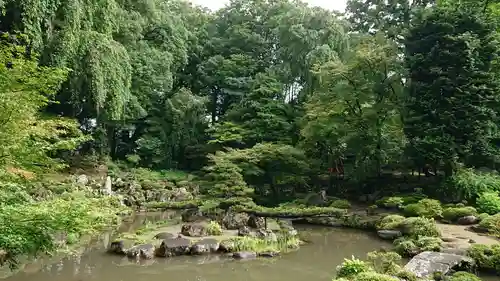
(262, 95)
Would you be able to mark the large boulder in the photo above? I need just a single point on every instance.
(226, 246)
(194, 230)
(174, 247)
(467, 220)
(389, 234)
(425, 264)
(245, 231)
(82, 180)
(145, 251)
(245, 255)
(266, 235)
(117, 247)
(192, 215)
(205, 246)
(234, 220)
(256, 222)
(180, 194)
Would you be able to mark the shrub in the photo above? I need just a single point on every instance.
(258, 245)
(405, 247)
(352, 267)
(390, 202)
(406, 275)
(409, 247)
(418, 226)
(385, 262)
(488, 202)
(482, 216)
(464, 276)
(341, 204)
(374, 276)
(454, 213)
(468, 184)
(390, 222)
(486, 257)
(492, 223)
(428, 208)
(214, 228)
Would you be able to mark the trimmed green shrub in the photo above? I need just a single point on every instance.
(409, 247)
(482, 216)
(486, 257)
(352, 267)
(428, 208)
(454, 213)
(390, 222)
(214, 228)
(374, 276)
(390, 202)
(492, 223)
(341, 204)
(464, 276)
(488, 202)
(419, 226)
(385, 262)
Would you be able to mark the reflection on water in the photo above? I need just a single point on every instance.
(315, 261)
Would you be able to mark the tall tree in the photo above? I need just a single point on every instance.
(452, 110)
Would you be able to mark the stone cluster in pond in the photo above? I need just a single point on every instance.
(172, 245)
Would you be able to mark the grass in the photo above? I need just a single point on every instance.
(259, 245)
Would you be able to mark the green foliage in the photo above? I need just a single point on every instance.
(486, 257)
(373, 276)
(31, 228)
(385, 262)
(449, 53)
(214, 228)
(390, 222)
(464, 276)
(491, 223)
(341, 204)
(258, 245)
(488, 202)
(468, 184)
(419, 226)
(391, 202)
(352, 267)
(427, 208)
(452, 214)
(409, 247)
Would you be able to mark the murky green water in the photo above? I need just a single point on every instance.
(315, 261)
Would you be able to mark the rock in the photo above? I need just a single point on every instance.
(266, 235)
(449, 239)
(180, 194)
(467, 220)
(174, 247)
(479, 229)
(205, 246)
(256, 222)
(245, 231)
(117, 247)
(82, 180)
(164, 235)
(4, 256)
(145, 251)
(245, 255)
(194, 230)
(389, 234)
(106, 190)
(472, 241)
(192, 215)
(426, 264)
(234, 220)
(270, 254)
(226, 246)
(289, 230)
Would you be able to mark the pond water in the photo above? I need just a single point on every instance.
(315, 261)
